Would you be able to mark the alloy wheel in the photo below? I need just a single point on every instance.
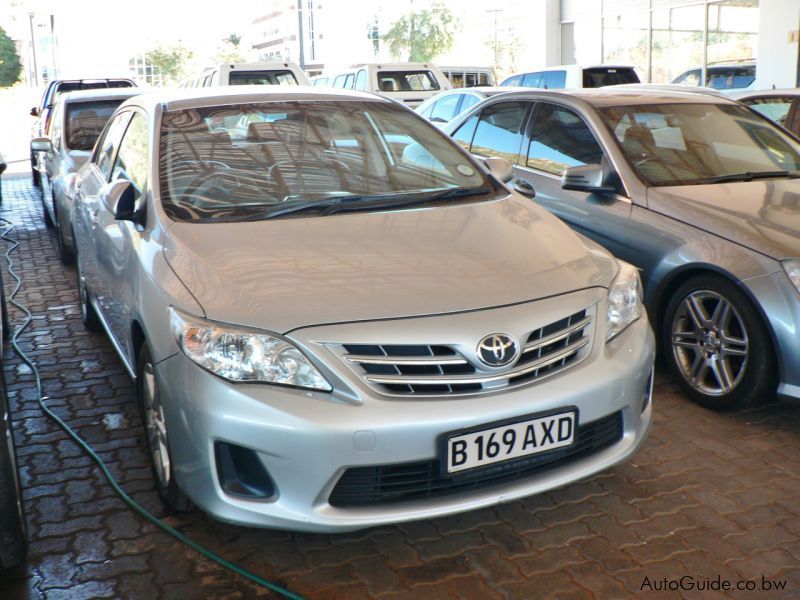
(155, 425)
(710, 343)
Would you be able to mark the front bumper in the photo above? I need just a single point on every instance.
(780, 304)
(306, 439)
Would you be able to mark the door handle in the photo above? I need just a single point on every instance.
(93, 218)
(524, 188)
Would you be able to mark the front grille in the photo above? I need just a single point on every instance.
(360, 486)
(440, 369)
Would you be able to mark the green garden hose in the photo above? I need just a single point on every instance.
(88, 449)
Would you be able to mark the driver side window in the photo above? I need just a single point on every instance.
(107, 146)
(131, 161)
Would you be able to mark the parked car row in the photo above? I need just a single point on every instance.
(321, 262)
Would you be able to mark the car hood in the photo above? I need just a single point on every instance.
(288, 273)
(762, 215)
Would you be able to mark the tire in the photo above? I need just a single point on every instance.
(35, 177)
(156, 434)
(46, 190)
(65, 254)
(4, 313)
(13, 528)
(88, 315)
(716, 346)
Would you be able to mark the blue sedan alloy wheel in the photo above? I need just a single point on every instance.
(716, 345)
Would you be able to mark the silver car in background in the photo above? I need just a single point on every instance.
(76, 122)
(697, 191)
(325, 336)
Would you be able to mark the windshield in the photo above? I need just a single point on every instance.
(679, 144)
(258, 160)
(262, 78)
(85, 121)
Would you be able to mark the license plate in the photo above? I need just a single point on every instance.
(509, 441)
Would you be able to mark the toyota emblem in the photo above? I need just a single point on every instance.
(498, 349)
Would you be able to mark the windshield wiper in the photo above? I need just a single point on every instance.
(749, 176)
(329, 206)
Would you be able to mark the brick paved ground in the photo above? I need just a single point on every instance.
(709, 495)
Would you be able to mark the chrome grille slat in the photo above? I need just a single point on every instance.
(419, 369)
(405, 360)
(556, 337)
(481, 378)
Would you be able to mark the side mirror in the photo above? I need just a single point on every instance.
(34, 112)
(501, 168)
(586, 178)
(41, 144)
(118, 196)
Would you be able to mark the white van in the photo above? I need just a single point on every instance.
(410, 83)
(574, 76)
(254, 73)
(465, 77)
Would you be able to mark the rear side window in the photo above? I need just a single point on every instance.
(406, 81)
(499, 131)
(361, 80)
(601, 76)
(532, 80)
(729, 78)
(469, 102)
(554, 80)
(85, 121)
(775, 108)
(689, 78)
(561, 139)
(348, 81)
(516, 80)
(262, 78)
(445, 109)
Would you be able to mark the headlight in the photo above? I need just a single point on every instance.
(792, 268)
(624, 300)
(240, 355)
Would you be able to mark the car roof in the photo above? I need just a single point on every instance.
(101, 94)
(601, 97)
(182, 98)
(745, 94)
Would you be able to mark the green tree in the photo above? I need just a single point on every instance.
(171, 60)
(422, 35)
(229, 51)
(10, 65)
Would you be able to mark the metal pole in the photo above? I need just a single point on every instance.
(33, 52)
(302, 57)
(704, 69)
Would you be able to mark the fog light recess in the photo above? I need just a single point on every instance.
(241, 473)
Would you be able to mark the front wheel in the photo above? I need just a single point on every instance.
(716, 345)
(155, 426)
(88, 315)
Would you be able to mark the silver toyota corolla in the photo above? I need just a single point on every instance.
(327, 335)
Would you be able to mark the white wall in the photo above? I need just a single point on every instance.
(777, 56)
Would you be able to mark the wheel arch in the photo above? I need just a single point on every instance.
(668, 286)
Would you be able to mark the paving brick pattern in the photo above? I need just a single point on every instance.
(709, 495)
